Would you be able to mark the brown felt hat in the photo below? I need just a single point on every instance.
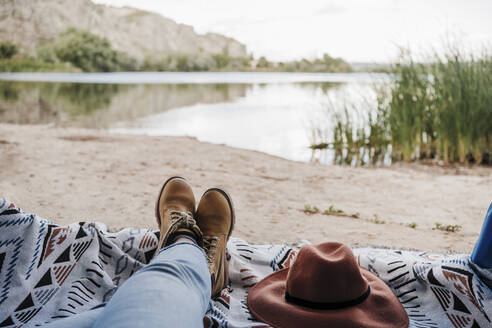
(325, 287)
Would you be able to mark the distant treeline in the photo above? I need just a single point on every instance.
(319, 65)
(80, 50)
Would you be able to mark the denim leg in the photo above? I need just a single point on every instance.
(81, 320)
(482, 253)
(173, 290)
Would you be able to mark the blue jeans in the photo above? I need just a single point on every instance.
(173, 290)
(482, 253)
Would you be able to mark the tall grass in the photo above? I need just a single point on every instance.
(356, 137)
(439, 110)
(442, 110)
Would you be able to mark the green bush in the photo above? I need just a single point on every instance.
(8, 49)
(221, 60)
(91, 53)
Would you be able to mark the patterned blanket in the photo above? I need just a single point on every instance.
(49, 272)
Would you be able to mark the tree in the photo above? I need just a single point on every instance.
(263, 63)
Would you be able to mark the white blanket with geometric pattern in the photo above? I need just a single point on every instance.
(49, 272)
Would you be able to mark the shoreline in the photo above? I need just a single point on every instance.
(70, 174)
(210, 77)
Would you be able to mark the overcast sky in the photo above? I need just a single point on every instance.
(356, 30)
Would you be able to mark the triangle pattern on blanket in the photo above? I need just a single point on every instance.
(45, 280)
(26, 303)
(459, 306)
(62, 272)
(80, 248)
(432, 279)
(7, 322)
(65, 256)
(81, 233)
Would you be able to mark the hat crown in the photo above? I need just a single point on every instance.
(327, 273)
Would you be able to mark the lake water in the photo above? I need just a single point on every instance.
(269, 112)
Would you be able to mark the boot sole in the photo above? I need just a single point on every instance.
(157, 214)
(231, 206)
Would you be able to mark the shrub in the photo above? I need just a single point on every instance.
(221, 60)
(87, 51)
(8, 49)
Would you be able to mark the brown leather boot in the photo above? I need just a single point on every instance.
(215, 217)
(174, 212)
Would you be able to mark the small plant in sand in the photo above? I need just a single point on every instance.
(447, 227)
(377, 220)
(332, 210)
(412, 225)
(308, 209)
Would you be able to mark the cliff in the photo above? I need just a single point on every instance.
(32, 23)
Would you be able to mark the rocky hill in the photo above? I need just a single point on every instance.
(32, 23)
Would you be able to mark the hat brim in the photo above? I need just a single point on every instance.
(381, 309)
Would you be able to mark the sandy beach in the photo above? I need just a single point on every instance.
(68, 174)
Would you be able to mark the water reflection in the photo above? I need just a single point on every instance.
(100, 105)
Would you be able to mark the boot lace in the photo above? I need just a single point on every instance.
(180, 219)
(210, 245)
(184, 219)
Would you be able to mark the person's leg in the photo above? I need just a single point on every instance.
(81, 320)
(172, 291)
(482, 253)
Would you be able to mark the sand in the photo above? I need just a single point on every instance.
(67, 175)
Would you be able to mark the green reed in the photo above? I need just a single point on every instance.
(440, 110)
(356, 138)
